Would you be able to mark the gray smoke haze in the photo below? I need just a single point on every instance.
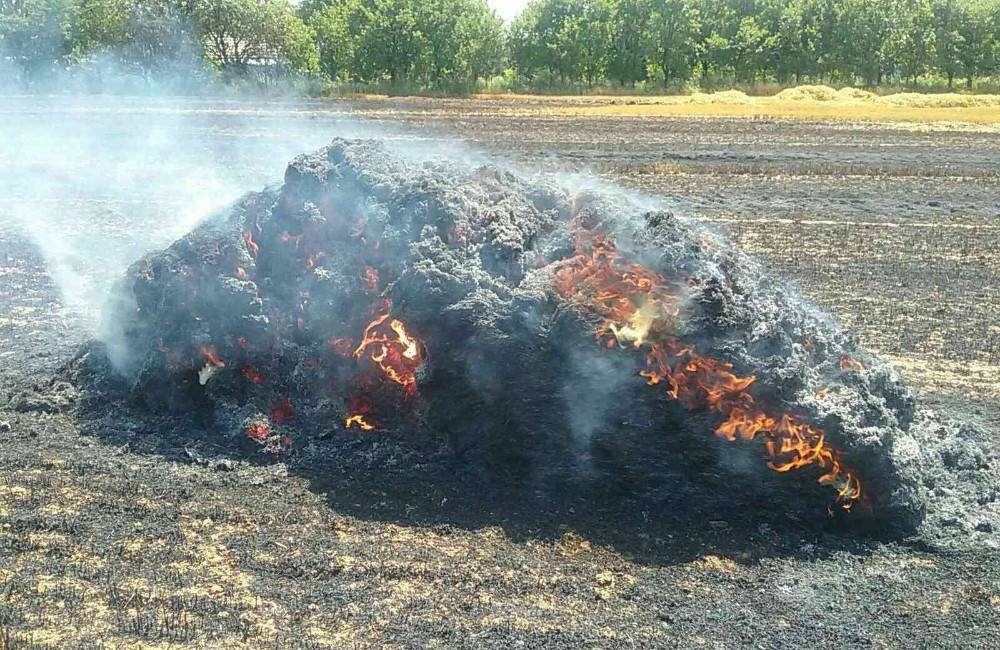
(97, 181)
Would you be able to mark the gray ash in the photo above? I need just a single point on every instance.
(377, 295)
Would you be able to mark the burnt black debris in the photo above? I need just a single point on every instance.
(379, 294)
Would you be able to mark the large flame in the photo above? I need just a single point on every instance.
(637, 308)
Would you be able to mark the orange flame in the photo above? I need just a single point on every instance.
(850, 364)
(342, 346)
(241, 273)
(282, 411)
(371, 280)
(251, 244)
(257, 430)
(209, 355)
(637, 309)
(358, 420)
(387, 343)
(252, 375)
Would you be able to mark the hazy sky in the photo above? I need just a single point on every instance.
(508, 9)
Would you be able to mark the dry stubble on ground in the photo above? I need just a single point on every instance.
(116, 540)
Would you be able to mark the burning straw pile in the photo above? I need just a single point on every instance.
(377, 295)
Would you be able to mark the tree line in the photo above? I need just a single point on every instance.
(463, 44)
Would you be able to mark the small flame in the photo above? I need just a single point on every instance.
(251, 244)
(393, 350)
(282, 411)
(252, 375)
(291, 239)
(850, 364)
(370, 280)
(310, 263)
(342, 346)
(358, 420)
(208, 353)
(241, 273)
(257, 430)
(637, 327)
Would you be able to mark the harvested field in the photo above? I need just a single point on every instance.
(114, 536)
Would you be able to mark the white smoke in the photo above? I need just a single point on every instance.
(95, 182)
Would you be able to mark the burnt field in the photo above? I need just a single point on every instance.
(119, 535)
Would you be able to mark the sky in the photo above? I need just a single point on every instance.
(508, 9)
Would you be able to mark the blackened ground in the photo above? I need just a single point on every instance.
(125, 539)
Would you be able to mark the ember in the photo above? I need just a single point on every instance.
(358, 420)
(211, 357)
(371, 280)
(850, 364)
(251, 244)
(282, 411)
(511, 319)
(638, 309)
(387, 343)
(342, 346)
(257, 430)
(252, 375)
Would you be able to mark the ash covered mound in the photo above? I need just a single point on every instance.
(525, 325)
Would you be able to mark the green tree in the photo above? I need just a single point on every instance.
(718, 25)
(626, 58)
(799, 44)
(912, 41)
(750, 48)
(158, 37)
(865, 28)
(481, 37)
(392, 46)
(949, 16)
(337, 28)
(238, 33)
(980, 32)
(672, 38)
(31, 33)
(90, 25)
(464, 39)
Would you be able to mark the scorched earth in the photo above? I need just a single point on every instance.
(118, 536)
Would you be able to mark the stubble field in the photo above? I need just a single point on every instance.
(116, 539)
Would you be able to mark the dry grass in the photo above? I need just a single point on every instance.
(803, 102)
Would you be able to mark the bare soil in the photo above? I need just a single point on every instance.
(112, 537)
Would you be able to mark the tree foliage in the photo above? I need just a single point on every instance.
(428, 41)
(462, 43)
(238, 33)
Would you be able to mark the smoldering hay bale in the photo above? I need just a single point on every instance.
(259, 319)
